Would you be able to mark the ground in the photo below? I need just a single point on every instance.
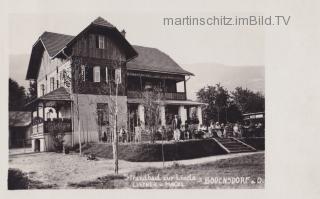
(56, 170)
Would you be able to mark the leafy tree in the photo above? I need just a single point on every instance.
(32, 91)
(17, 96)
(216, 97)
(247, 100)
(152, 103)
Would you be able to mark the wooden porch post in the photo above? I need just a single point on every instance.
(185, 88)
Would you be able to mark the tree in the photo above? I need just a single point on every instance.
(248, 101)
(152, 100)
(216, 97)
(32, 91)
(17, 96)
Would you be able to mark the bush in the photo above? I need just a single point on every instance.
(17, 180)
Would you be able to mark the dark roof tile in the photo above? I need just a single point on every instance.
(154, 60)
(58, 94)
(102, 22)
(55, 42)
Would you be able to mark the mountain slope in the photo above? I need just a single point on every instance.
(251, 77)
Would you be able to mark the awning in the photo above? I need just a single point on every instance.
(60, 94)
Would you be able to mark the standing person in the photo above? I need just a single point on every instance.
(217, 128)
(187, 132)
(225, 131)
(236, 130)
(176, 124)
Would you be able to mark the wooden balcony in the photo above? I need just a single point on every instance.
(55, 125)
(59, 126)
(167, 96)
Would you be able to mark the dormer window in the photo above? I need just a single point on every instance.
(101, 41)
(96, 74)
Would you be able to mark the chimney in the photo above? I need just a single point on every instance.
(123, 32)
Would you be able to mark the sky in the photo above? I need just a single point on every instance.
(187, 45)
(143, 22)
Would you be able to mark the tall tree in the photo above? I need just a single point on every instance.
(216, 97)
(32, 91)
(152, 100)
(247, 100)
(17, 96)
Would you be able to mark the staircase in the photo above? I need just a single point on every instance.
(233, 145)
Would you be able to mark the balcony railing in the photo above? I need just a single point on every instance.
(59, 126)
(167, 96)
(55, 125)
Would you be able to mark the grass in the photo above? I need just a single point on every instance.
(190, 176)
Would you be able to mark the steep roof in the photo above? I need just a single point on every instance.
(19, 118)
(54, 42)
(148, 59)
(58, 94)
(154, 60)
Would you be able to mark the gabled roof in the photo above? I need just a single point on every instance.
(102, 22)
(60, 94)
(19, 118)
(54, 42)
(145, 58)
(154, 60)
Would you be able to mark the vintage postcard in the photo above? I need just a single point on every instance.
(110, 98)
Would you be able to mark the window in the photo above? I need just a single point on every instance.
(107, 78)
(101, 41)
(51, 83)
(96, 74)
(118, 75)
(42, 89)
(83, 73)
(61, 77)
(103, 114)
(111, 74)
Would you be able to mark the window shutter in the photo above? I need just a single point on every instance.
(90, 74)
(87, 71)
(102, 72)
(97, 41)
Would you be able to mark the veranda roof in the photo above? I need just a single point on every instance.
(169, 102)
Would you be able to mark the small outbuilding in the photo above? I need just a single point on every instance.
(19, 129)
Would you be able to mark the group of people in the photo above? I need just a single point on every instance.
(178, 131)
(216, 129)
(237, 129)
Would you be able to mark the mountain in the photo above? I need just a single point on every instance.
(251, 77)
(18, 65)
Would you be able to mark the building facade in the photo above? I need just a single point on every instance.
(81, 79)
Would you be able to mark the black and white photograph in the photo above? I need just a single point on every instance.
(106, 95)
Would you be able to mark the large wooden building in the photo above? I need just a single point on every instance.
(76, 81)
